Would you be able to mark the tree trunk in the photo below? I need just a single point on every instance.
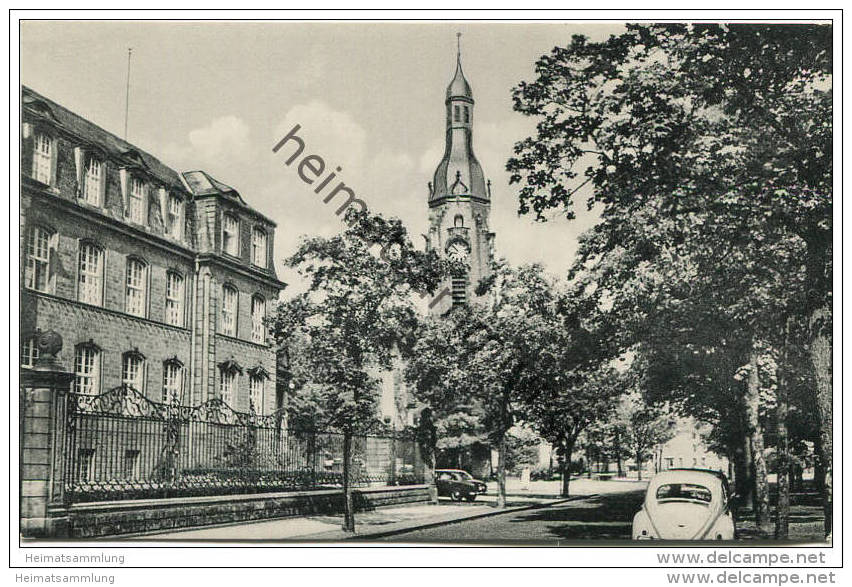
(820, 354)
(761, 486)
(566, 468)
(348, 506)
(588, 461)
(782, 507)
(618, 455)
(746, 486)
(639, 463)
(501, 472)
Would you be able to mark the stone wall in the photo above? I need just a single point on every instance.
(141, 517)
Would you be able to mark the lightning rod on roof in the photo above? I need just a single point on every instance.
(127, 93)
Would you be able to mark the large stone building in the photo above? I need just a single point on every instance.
(154, 279)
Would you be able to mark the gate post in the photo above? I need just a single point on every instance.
(43, 405)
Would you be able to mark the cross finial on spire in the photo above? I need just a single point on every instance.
(458, 46)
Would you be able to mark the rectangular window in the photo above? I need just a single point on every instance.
(133, 372)
(258, 248)
(91, 271)
(136, 287)
(256, 394)
(230, 235)
(29, 352)
(229, 311)
(466, 114)
(87, 366)
(136, 211)
(39, 246)
(42, 158)
(172, 383)
(258, 314)
(92, 182)
(227, 385)
(456, 115)
(175, 219)
(174, 299)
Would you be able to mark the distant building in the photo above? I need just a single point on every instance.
(688, 450)
(153, 279)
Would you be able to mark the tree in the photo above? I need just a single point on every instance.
(645, 426)
(358, 308)
(575, 400)
(487, 355)
(706, 148)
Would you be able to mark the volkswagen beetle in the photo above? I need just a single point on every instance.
(686, 504)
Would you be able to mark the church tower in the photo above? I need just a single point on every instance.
(460, 198)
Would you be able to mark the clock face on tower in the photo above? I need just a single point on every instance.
(457, 251)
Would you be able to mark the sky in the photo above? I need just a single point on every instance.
(369, 97)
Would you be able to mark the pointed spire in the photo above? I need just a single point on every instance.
(459, 88)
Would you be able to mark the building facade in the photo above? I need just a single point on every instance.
(154, 279)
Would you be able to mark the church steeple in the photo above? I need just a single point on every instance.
(460, 199)
(459, 172)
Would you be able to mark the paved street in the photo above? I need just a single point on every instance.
(601, 517)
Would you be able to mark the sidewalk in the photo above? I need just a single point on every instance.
(379, 522)
(390, 520)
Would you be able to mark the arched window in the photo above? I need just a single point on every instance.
(41, 244)
(44, 151)
(230, 234)
(136, 287)
(29, 352)
(258, 247)
(228, 322)
(174, 299)
(93, 180)
(458, 221)
(87, 368)
(90, 274)
(173, 381)
(258, 317)
(133, 370)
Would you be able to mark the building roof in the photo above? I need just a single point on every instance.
(459, 88)
(202, 184)
(94, 134)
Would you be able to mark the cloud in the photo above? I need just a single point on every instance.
(217, 145)
(331, 134)
(227, 135)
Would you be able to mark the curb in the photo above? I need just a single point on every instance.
(338, 535)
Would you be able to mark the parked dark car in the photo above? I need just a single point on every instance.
(458, 484)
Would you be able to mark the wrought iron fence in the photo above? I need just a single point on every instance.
(122, 445)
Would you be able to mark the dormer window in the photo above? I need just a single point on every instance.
(175, 217)
(258, 247)
(43, 153)
(93, 181)
(136, 209)
(230, 235)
